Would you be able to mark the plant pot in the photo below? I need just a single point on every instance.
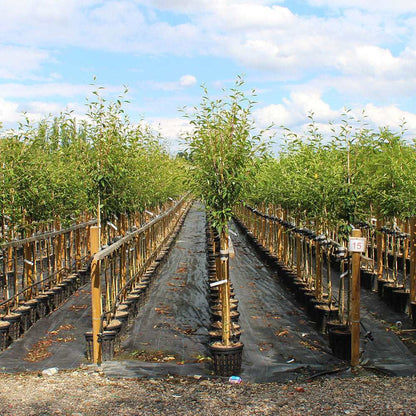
(25, 315)
(215, 335)
(380, 286)
(227, 360)
(4, 335)
(108, 342)
(33, 305)
(400, 300)
(89, 343)
(72, 283)
(300, 288)
(311, 308)
(324, 314)
(234, 315)
(53, 299)
(218, 325)
(123, 317)
(388, 289)
(43, 305)
(66, 289)
(132, 301)
(116, 326)
(14, 328)
(413, 313)
(84, 275)
(340, 342)
(367, 279)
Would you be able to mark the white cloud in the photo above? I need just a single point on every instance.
(9, 112)
(390, 116)
(396, 7)
(293, 113)
(54, 89)
(21, 62)
(295, 110)
(183, 82)
(170, 129)
(258, 34)
(187, 81)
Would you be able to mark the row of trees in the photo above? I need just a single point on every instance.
(61, 167)
(355, 175)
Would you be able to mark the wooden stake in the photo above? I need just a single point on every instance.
(226, 318)
(96, 295)
(379, 244)
(355, 304)
(298, 257)
(318, 271)
(413, 259)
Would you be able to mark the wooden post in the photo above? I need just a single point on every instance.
(318, 271)
(355, 304)
(77, 249)
(96, 295)
(226, 318)
(413, 259)
(298, 257)
(28, 269)
(379, 244)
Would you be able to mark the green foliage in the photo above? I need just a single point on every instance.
(58, 167)
(344, 179)
(223, 150)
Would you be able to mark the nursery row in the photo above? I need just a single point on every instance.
(121, 275)
(62, 169)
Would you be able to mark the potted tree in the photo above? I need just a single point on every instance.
(224, 154)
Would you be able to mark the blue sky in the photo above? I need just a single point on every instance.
(300, 56)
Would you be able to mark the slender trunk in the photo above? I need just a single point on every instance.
(224, 259)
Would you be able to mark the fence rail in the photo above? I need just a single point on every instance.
(32, 265)
(117, 269)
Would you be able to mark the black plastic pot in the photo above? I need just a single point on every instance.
(43, 305)
(227, 360)
(400, 300)
(66, 289)
(388, 289)
(115, 326)
(123, 317)
(367, 279)
(33, 305)
(215, 335)
(14, 328)
(108, 342)
(234, 315)
(4, 335)
(413, 312)
(380, 286)
(340, 342)
(324, 314)
(89, 349)
(25, 317)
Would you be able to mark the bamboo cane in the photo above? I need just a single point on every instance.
(355, 304)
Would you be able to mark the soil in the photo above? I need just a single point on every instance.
(88, 392)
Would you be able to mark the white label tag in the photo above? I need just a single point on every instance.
(357, 244)
(220, 282)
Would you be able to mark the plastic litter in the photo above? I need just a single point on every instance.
(235, 380)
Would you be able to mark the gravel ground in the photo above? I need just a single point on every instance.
(88, 392)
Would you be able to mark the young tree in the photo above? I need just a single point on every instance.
(224, 152)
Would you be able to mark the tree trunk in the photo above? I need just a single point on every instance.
(225, 301)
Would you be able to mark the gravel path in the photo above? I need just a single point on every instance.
(87, 392)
